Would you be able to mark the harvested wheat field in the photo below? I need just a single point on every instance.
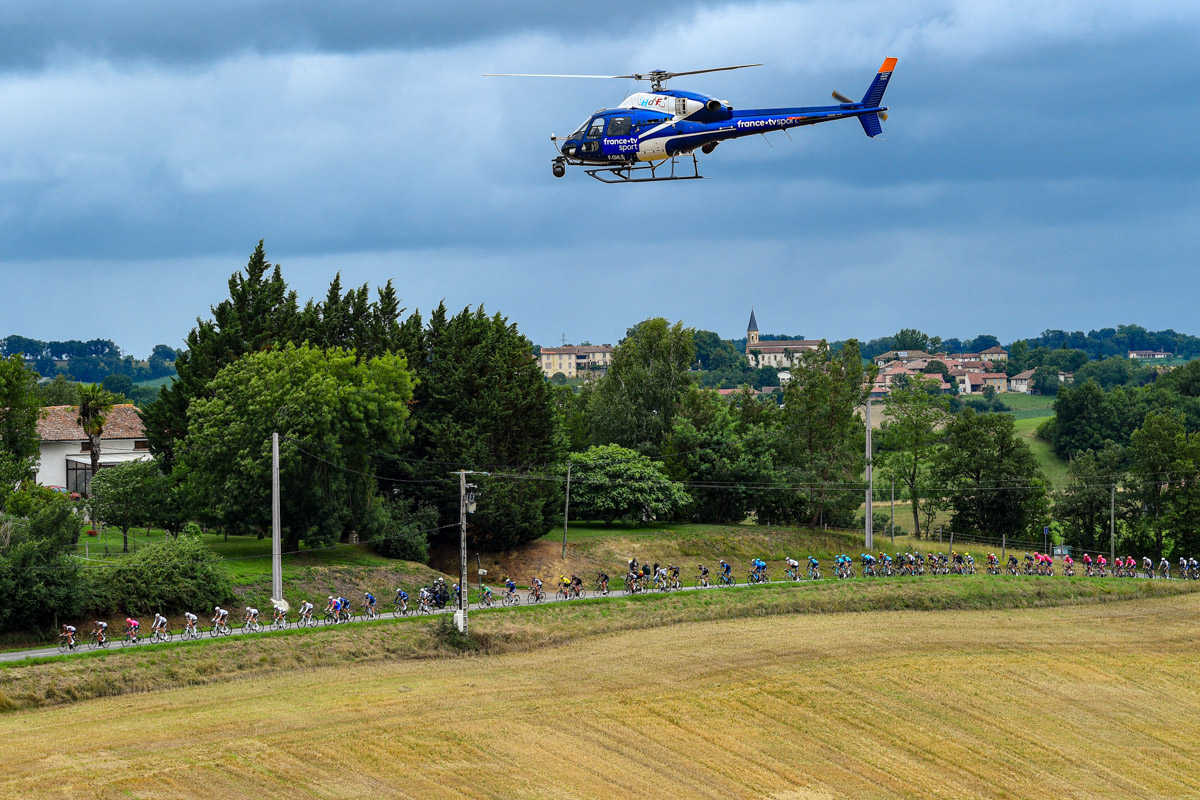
(1077, 702)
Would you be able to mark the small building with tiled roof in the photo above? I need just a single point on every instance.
(66, 459)
(1022, 382)
(995, 354)
(576, 360)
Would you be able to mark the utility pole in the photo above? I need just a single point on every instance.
(893, 522)
(466, 505)
(566, 510)
(869, 516)
(1112, 523)
(276, 551)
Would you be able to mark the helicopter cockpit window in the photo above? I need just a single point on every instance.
(620, 126)
(597, 128)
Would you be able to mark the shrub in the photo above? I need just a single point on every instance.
(172, 575)
(397, 531)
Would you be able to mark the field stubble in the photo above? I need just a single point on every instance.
(1084, 701)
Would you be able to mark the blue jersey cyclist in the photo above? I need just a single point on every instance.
(370, 600)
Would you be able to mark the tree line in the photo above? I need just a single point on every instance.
(92, 361)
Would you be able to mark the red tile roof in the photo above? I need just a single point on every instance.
(58, 424)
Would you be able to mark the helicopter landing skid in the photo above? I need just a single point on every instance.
(626, 174)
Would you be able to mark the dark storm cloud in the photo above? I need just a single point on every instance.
(1034, 153)
(33, 34)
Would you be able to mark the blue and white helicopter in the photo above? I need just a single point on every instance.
(651, 129)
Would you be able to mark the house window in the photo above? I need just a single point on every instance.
(141, 444)
(85, 447)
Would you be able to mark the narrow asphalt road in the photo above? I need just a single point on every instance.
(42, 652)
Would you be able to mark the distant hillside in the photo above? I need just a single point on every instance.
(91, 361)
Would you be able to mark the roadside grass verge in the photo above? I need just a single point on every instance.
(58, 680)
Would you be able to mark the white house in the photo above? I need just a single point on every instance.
(1022, 382)
(66, 458)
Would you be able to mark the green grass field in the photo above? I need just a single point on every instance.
(599, 700)
(1052, 466)
(1028, 406)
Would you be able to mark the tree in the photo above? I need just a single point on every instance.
(914, 416)
(1045, 380)
(982, 342)
(936, 367)
(126, 495)
(39, 578)
(1018, 353)
(990, 480)
(62, 391)
(95, 404)
(118, 384)
(819, 441)
(19, 410)
(1082, 506)
(610, 482)
(332, 414)
(910, 339)
(1163, 460)
(482, 403)
(726, 457)
(634, 403)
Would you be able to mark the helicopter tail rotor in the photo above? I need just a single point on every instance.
(841, 98)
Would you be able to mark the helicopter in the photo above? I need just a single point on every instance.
(650, 130)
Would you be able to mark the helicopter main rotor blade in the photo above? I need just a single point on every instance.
(713, 69)
(529, 75)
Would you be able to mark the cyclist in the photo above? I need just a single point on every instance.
(331, 606)
(425, 598)
(132, 627)
(970, 560)
(485, 593)
(1148, 565)
(793, 568)
(576, 584)
(1131, 566)
(660, 576)
(159, 625)
(674, 570)
(100, 631)
(725, 569)
(68, 633)
(702, 572)
(401, 599)
(813, 566)
(1101, 563)
(344, 604)
(510, 588)
(1068, 565)
(189, 622)
(564, 584)
(457, 594)
(251, 615)
(1087, 564)
(633, 566)
(602, 582)
(306, 609)
(1193, 565)
(1164, 567)
(370, 598)
(219, 616)
(536, 586)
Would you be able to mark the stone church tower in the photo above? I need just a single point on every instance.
(751, 333)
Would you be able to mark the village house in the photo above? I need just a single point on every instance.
(66, 460)
(1022, 382)
(575, 361)
(1148, 355)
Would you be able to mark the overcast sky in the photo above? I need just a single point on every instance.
(1040, 170)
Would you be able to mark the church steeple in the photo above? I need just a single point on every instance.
(751, 333)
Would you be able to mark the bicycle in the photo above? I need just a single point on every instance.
(702, 582)
(369, 612)
(401, 608)
(791, 574)
(220, 628)
(64, 644)
(814, 573)
(157, 636)
(279, 621)
(250, 626)
(486, 601)
(189, 632)
(535, 596)
(601, 589)
(130, 638)
(511, 598)
(724, 580)
(305, 621)
(97, 640)
(757, 577)
(576, 593)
